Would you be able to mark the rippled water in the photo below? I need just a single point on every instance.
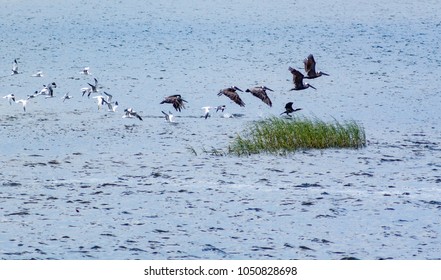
(82, 183)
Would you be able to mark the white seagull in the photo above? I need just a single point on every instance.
(168, 117)
(23, 102)
(48, 90)
(207, 111)
(86, 71)
(129, 113)
(10, 97)
(38, 74)
(66, 96)
(90, 89)
(100, 101)
(15, 68)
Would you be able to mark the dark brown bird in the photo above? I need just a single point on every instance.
(260, 92)
(297, 78)
(233, 95)
(289, 109)
(309, 63)
(176, 100)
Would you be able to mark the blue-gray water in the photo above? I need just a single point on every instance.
(82, 183)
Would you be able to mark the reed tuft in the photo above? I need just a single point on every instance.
(280, 136)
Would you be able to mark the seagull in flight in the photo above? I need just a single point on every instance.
(10, 97)
(66, 96)
(86, 71)
(129, 113)
(38, 74)
(168, 117)
(23, 102)
(207, 111)
(15, 68)
(48, 90)
(220, 108)
(90, 89)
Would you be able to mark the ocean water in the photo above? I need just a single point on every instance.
(83, 183)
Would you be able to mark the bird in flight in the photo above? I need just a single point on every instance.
(233, 95)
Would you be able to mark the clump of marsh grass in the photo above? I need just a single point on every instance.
(281, 136)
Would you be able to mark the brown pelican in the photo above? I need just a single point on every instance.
(309, 63)
(289, 109)
(176, 100)
(260, 92)
(233, 95)
(298, 80)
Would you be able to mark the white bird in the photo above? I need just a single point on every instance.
(36, 93)
(86, 71)
(90, 89)
(15, 68)
(220, 107)
(112, 106)
(10, 97)
(168, 117)
(129, 113)
(23, 102)
(66, 96)
(207, 111)
(87, 90)
(38, 74)
(48, 90)
(100, 101)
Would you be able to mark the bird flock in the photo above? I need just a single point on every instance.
(105, 99)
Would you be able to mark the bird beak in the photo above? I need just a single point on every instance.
(268, 89)
(238, 89)
(312, 87)
(325, 74)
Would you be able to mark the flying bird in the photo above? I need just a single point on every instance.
(10, 97)
(48, 90)
(220, 108)
(207, 111)
(309, 63)
(66, 96)
(86, 71)
(90, 89)
(298, 80)
(289, 109)
(100, 100)
(129, 113)
(23, 102)
(176, 100)
(233, 95)
(38, 74)
(15, 68)
(94, 87)
(260, 92)
(168, 117)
